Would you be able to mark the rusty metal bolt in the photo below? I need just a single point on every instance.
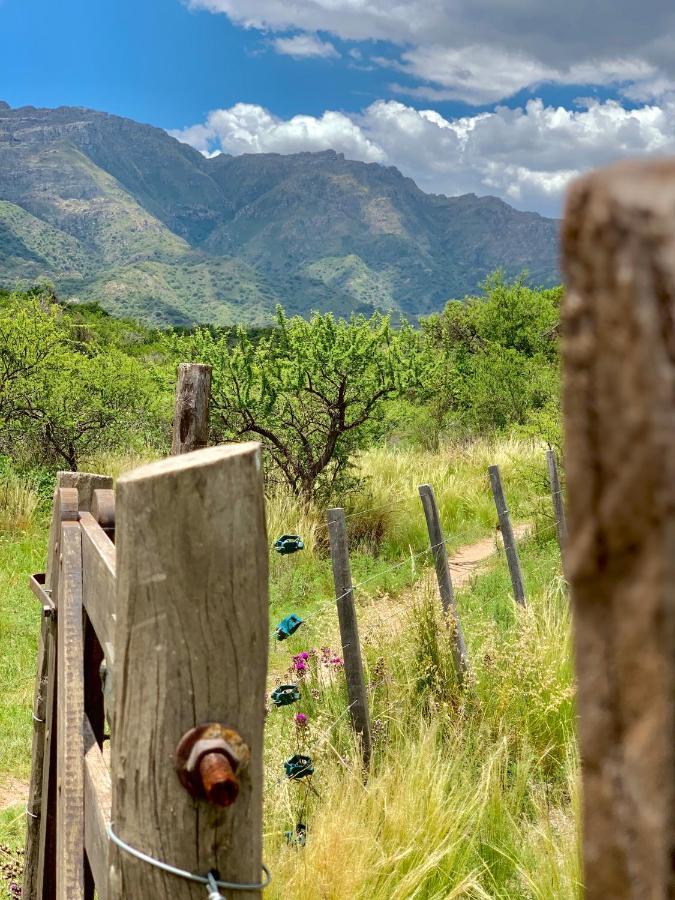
(208, 759)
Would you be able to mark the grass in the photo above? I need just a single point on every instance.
(472, 791)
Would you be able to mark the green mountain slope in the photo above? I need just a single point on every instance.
(111, 210)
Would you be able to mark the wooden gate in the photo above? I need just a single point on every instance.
(154, 622)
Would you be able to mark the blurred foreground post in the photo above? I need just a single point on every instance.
(619, 361)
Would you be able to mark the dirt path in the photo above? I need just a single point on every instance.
(383, 618)
(12, 791)
(465, 561)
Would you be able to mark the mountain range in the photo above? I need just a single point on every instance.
(111, 210)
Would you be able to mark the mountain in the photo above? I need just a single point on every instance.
(111, 210)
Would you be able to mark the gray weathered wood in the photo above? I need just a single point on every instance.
(440, 555)
(40, 855)
(86, 484)
(103, 510)
(349, 629)
(619, 361)
(97, 799)
(98, 556)
(191, 417)
(34, 805)
(70, 762)
(191, 643)
(558, 502)
(507, 535)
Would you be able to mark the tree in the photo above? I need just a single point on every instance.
(312, 391)
(31, 340)
(496, 356)
(62, 396)
(87, 402)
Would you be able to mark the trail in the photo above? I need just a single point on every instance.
(383, 614)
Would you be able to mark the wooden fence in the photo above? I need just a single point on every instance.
(147, 589)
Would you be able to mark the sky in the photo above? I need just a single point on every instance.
(505, 97)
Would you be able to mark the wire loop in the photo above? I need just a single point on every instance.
(207, 880)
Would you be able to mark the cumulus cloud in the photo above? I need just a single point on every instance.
(247, 128)
(302, 46)
(525, 155)
(481, 51)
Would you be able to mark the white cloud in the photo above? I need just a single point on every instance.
(302, 46)
(247, 128)
(481, 51)
(525, 155)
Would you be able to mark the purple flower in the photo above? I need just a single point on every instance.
(301, 720)
(304, 654)
(335, 661)
(300, 663)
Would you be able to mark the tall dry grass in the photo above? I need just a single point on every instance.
(472, 792)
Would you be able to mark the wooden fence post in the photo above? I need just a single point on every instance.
(70, 745)
(191, 417)
(507, 535)
(349, 629)
(40, 855)
(440, 555)
(190, 647)
(558, 503)
(619, 364)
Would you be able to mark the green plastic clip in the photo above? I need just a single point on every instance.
(289, 543)
(299, 766)
(288, 626)
(285, 694)
(299, 838)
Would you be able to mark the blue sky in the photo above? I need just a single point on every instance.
(511, 97)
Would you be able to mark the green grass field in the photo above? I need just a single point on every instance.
(472, 791)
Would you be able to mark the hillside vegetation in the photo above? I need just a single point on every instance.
(473, 789)
(114, 211)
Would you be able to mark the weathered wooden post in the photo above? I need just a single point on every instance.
(40, 856)
(349, 629)
(558, 503)
(440, 555)
(191, 417)
(619, 364)
(508, 536)
(190, 648)
(70, 880)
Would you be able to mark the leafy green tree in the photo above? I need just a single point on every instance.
(496, 356)
(31, 339)
(313, 392)
(62, 395)
(86, 403)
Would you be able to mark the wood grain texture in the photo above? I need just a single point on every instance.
(191, 645)
(99, 566)
(103, 510)
(508, 536)
(619, 399)
(349, 630)
(557, 502)
(191, 416)
(97, 801)
(70, 761)
(440, 556)
(85, 483)
(40, 858)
